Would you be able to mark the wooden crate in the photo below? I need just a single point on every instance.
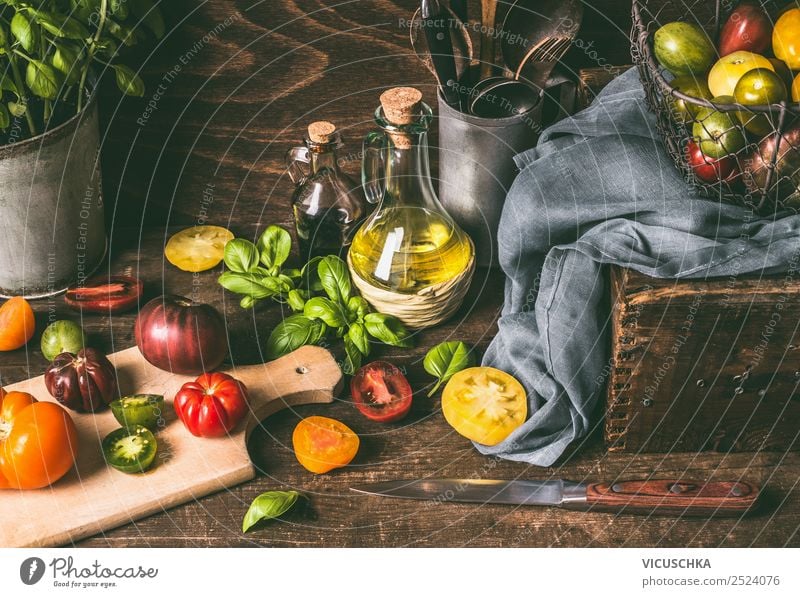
(704, 365)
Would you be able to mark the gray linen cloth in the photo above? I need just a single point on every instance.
(600, 189)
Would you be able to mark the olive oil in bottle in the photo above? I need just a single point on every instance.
(409, 243)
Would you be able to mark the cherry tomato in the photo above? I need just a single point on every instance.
(16, 323)
(38, 441)
(786, 38)
(212, 405)
(322, 444)
(381, 392)
(198, 248)
(484, 404)
(113, 294)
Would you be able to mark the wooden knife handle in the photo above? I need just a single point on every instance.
(665, 496)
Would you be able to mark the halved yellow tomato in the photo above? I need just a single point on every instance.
(198, 248)
(484, 404)
(322, 444)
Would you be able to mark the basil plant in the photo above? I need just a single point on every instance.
(48, 47)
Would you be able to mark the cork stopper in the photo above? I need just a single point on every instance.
(401, 105)
(321, 131)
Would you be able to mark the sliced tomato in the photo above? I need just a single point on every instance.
(197, 249)
(381, 392)
(112, 294)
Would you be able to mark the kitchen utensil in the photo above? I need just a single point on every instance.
(94, 497)
(460, 9)
(436, 24)
(502, 97)
(547, 28)
(488, 24)
(476, 169)
(675, 497)
(459, 40)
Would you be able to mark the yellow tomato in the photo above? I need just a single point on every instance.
(729, 69)
(198, 248)
(796, 89)
(786, 38)
(484, 404)
(322, 444)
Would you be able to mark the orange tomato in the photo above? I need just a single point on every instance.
(322, 444)
(786, 38)
(796, 89)
(38, 442)
(16, 323)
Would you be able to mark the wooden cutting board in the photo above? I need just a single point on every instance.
(93, 497)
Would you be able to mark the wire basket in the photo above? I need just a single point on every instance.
(763, 172)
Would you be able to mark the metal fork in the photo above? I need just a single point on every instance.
(540, 61)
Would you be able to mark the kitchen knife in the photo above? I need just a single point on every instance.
(436, 23)
(657, 496)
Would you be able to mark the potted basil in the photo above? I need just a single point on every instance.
(51, 209)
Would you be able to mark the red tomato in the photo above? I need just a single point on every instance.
(708, 169)
(211, 405)
(381, 392)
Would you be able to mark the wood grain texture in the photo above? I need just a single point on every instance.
(704, 364)
(674, 497)
(187, 467)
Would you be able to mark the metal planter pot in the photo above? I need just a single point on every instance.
(52, 226)
(476, 169)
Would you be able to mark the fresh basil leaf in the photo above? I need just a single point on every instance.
(275, 244)
(444, 360)
(335, 279)
(150, 15)
(4, 41)
(122, 32)
(268, 505)
(43, 80)
(24, 31)
(358, 336)
(60, 26)
(119, 8)
(388, 329)
(65, 59)
(7, 84)
(5, 117)
(292, 333)
(357, 308)
(353, 358)
(240, 255)
(293, 273)
(296, 300)
(128, 81)
(310, 275)
(325, 309)
(17, 108)
(277, 284)
(247, 302)
(248, 284)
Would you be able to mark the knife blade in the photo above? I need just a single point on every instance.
(436, 23)
(656, 496)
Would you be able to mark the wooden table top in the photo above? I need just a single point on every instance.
(422, 445)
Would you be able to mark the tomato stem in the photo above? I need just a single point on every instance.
(436, 386)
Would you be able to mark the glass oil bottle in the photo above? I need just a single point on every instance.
(328, 206)
(410, 243)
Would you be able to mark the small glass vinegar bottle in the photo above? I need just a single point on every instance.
(328, 205)
(410, 243)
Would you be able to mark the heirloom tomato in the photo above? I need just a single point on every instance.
(322, 444)
(198, 248)
(484, 404)
(683, 48)
(16, 323)
(796, 89)
(38, 441)
(748, 28)
(727, 71)
(212, 405)
(381, 392)
(786, 38)
(707, 169)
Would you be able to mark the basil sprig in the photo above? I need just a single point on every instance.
(321, 294)
(444, 360)
(271, 504)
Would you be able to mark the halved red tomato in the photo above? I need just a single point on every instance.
(112, 294)
(381, 392)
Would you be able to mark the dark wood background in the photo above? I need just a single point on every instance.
(221, 126)
(213, 149)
